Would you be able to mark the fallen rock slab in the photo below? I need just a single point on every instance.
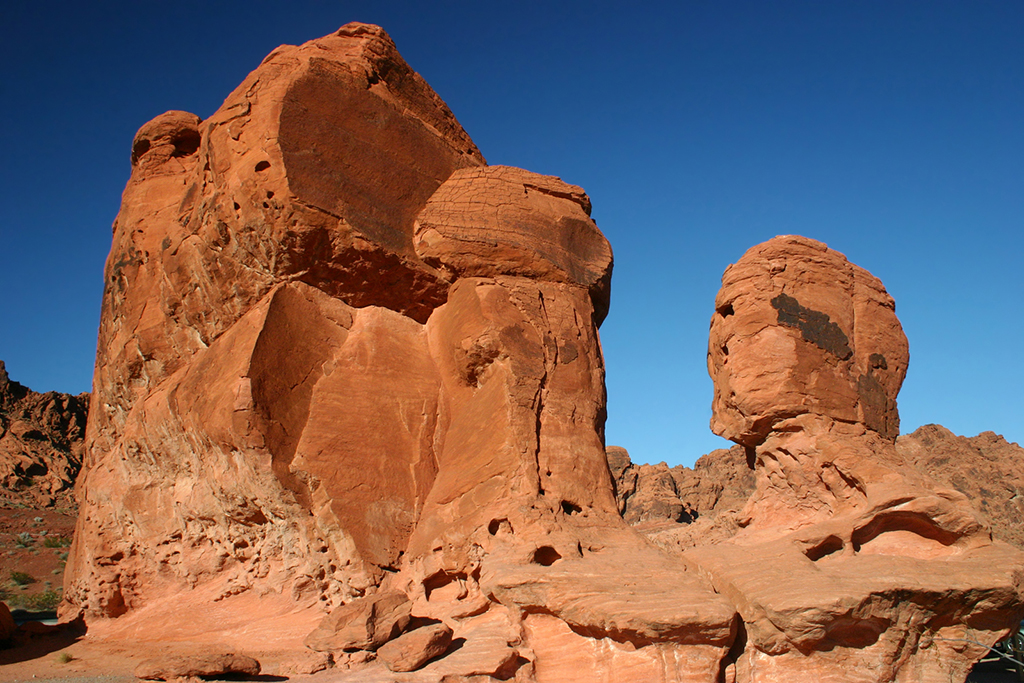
(169, 667)
(412, 650)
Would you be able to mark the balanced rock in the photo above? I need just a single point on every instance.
(847, 559)
(800, 330)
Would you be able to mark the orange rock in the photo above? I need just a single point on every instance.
(346, 368)
(499, 220)
(799, 329)
(170, 667)
(410, 651)
(41, 444)
(363, 624)
(847, 556)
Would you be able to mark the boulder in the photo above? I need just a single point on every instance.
(206, 664)
(7, 625)
(799, 330)
(363, 624)
(412, 650)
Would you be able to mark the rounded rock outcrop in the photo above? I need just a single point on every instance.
(799, 329)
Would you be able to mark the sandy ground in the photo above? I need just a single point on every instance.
(33, 545)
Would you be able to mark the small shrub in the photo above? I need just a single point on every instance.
(21, 578)
(43, 602)
(23, 540)
(64, 657)
(56, 542)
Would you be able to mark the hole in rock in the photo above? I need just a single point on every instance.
(266, 205)
(262, 166)
(499, 525)
(237, 207)
(270, 195)
(186, 143)
(570, 508)
(139, 149)
(829, 545)
(546, 556)
(726, 310)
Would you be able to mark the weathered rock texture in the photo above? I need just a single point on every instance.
(347, 369)
(210, 664)
(342, 359)
(678, 507)
(847, 560)
(985, 468)
(41, 443)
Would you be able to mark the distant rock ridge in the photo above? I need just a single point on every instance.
(666, 503)
(41, 443)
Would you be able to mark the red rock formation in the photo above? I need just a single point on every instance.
(985, 468)
(40, 445)
(847, 560)
(340, 357)
(346, 368)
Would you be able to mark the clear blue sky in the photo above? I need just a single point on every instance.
(893, 131)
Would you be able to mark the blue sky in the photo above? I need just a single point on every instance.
(890, 130)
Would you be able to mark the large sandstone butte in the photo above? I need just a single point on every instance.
(349, 396)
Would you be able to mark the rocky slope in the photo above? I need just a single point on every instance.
(683, 506)
(41, 443)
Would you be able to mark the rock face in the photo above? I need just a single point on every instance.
(41, 443)
(340, 358)
(985, 468)
(678, 507)
(349, 375)
(847, 560)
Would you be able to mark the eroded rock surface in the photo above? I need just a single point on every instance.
(985, 468)
(41, 443)
(343, 361)
(847, 560)
(349, 395)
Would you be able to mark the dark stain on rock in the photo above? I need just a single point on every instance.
(878, 362)
(814, 325)
(879, 411)
(568, 353)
